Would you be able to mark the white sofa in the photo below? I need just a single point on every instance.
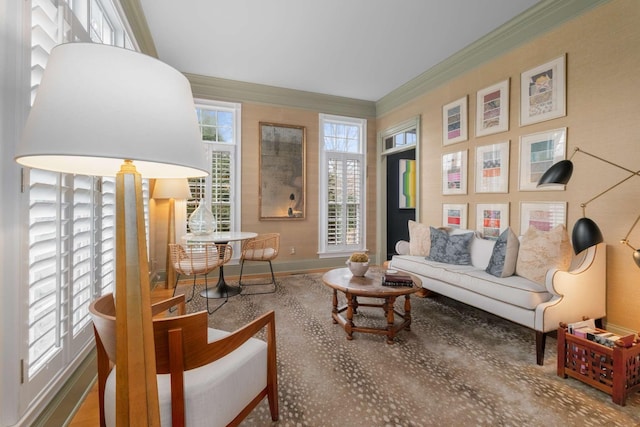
(566, 296)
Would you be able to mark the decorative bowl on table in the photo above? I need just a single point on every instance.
(358, 263)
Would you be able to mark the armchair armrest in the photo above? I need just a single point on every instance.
(402, 247)
(164, 305)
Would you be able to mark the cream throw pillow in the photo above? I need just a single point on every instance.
(542, 250)
(419, 239)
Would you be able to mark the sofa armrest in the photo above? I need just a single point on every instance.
(578, 293)
(402, 247)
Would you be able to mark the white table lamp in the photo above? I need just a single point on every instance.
(99, 111)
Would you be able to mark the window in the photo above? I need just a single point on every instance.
(342, 185)
(70, 218)
(219, 127)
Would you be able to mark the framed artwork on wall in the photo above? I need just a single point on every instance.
(543, 92)
(492, 109)
(454, 121)
(454, 173)
(407, 180)
(492, 219)
(538, 152)
(282, 171)
(492, 168)
(454, 215)
(542, 215)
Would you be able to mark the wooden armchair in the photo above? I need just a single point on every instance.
(206, 377)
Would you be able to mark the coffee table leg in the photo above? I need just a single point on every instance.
(407, 312)
(335, 306)
(388, 306)
(348, 326)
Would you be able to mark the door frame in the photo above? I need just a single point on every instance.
(381, 184)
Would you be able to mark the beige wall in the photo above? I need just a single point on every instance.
(603, 104)
(301, 234)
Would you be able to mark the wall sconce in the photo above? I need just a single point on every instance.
(292, 200)
(586, 232)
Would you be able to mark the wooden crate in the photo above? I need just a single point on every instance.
(616, 371)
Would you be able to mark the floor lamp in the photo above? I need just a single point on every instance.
(586, 232)
(104, 111)
(171, 189)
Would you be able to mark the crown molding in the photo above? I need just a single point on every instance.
(539, 19)
(206, 87)
(138, 24)
(542, 17)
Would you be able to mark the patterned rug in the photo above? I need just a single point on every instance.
(457, 366)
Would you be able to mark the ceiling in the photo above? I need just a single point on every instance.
(361, 49)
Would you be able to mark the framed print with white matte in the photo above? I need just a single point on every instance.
(542, 215)
(454, 121)
(538, 152)
(543, 92)
(492, 168)
(492, 219)
(454, 173)
(492, 109)
(454, 215)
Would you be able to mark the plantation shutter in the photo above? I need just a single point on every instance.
(71, 218)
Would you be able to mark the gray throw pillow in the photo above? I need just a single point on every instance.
(451, 249)
(505, 255)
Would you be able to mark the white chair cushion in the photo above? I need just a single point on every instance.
(215, 393)
(259, 253)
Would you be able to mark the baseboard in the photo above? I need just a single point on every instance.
(67, 401)
(619, 330)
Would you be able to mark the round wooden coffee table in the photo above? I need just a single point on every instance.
(370, 286)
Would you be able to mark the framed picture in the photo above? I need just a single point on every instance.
(542, 215)
(492, 168)
(492, 109)
(454, 216)
(454, 121)
(454, 173)
(538, 152)
(492, 219)
(282, 171)
(543, 92)
(407, 180)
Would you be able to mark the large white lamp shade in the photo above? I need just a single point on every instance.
(98, 105)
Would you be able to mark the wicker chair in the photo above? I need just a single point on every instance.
(265, 248)
(199, 369)
(199, 259)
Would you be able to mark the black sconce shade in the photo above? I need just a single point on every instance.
(585, 234)
(559, 173)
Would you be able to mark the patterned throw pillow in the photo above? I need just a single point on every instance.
(505, 254)
(542, 250)
(451, 249)
(419, 240)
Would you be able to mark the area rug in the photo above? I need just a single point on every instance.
(457, 366)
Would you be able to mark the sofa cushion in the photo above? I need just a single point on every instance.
(450, 249)
(505, 254)
(541, 251)
(481, 250)
(419, 240)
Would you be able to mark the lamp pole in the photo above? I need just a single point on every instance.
(137, 396)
